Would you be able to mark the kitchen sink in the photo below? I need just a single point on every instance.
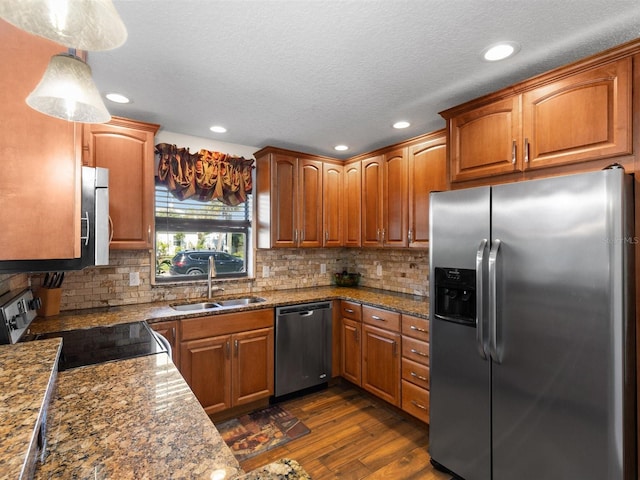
(232, 302)
(196, 306)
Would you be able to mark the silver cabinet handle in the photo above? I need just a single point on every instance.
(419, 377)
(410, 236)
(383, 232)
(420, 406)
(480, 336)
(493, 315)
(348, 310)
(378, 235)
(513, 152)
(375, 317)
(423, 330)
(149, 233)
(418, 352)
(526, 150)
(228, 348)
(237, 345)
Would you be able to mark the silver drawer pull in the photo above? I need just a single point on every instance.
(417, 352)
(423, 330)
(419, 377)
(348, 310)
(422, 407)
(375, 317)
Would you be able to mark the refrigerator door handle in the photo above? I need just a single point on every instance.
(480, 336)
(493, 317)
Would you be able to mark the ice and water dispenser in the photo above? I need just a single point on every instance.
(455, 295)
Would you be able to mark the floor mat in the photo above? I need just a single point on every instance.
(257, 432)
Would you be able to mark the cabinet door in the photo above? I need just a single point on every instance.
(351, 205)
(581, 117)
(40, 181)
(372, 172)
(206, 367)
(309, 203)
(427, 173)
(381, 363)
(284, 177)
(395, 217)
(485, 140)
(351, 351)
(126, 148)
(253, 368)
(169, 330)
(332, 205)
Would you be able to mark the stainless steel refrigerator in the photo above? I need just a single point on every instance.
(532, 359)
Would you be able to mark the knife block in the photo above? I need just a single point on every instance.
(50, 298)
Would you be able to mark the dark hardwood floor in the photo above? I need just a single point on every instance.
(354, 436)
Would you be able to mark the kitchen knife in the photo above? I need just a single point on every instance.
(60, 280)
(45, 282)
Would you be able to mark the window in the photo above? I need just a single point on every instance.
(189, 232)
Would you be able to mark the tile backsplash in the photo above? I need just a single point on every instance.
(401, 270)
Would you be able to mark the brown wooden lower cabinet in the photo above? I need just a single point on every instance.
(381, 363)
(415, 400)
(228, 359)
(351, 351)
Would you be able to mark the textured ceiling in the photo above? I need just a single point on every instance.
(310, 74)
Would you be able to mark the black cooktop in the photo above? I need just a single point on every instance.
(94, 345)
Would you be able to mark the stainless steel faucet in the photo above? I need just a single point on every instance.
(211, 273)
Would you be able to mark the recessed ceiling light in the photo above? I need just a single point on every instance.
(341, 148)
(117, 98)
(402, 124)
(500, 51)
(218, 129)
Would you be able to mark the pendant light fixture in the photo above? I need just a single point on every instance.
(91, 25)
(67, 91)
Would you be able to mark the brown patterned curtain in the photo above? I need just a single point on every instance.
(205, 175)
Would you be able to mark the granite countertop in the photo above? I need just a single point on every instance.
(27, 378)
(162, 311)
(134, 418)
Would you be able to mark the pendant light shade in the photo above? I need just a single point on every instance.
(67, 91)
(82, 24)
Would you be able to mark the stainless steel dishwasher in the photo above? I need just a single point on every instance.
(303, 347)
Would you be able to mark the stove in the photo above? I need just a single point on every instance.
(17, 311)
(90, 346)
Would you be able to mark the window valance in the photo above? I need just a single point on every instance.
(205, 175)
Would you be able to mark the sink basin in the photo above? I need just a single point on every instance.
(234, 302)
(195, 306)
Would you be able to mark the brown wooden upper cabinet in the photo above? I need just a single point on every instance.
(384, 199)
(566, 117)
(126, 148)
(351, 204)
(332, 211)
(40, 181)
(427, 173)
(289, 200)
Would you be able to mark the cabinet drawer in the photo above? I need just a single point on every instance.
(381, 318)
(415, 401)
(351, 310)
(415, 327)
(222, 324)
(416, 373)
(415, 350)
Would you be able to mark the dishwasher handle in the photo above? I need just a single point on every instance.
(303, 309)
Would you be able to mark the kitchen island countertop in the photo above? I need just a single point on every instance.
(27, 380)
(134, 418)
